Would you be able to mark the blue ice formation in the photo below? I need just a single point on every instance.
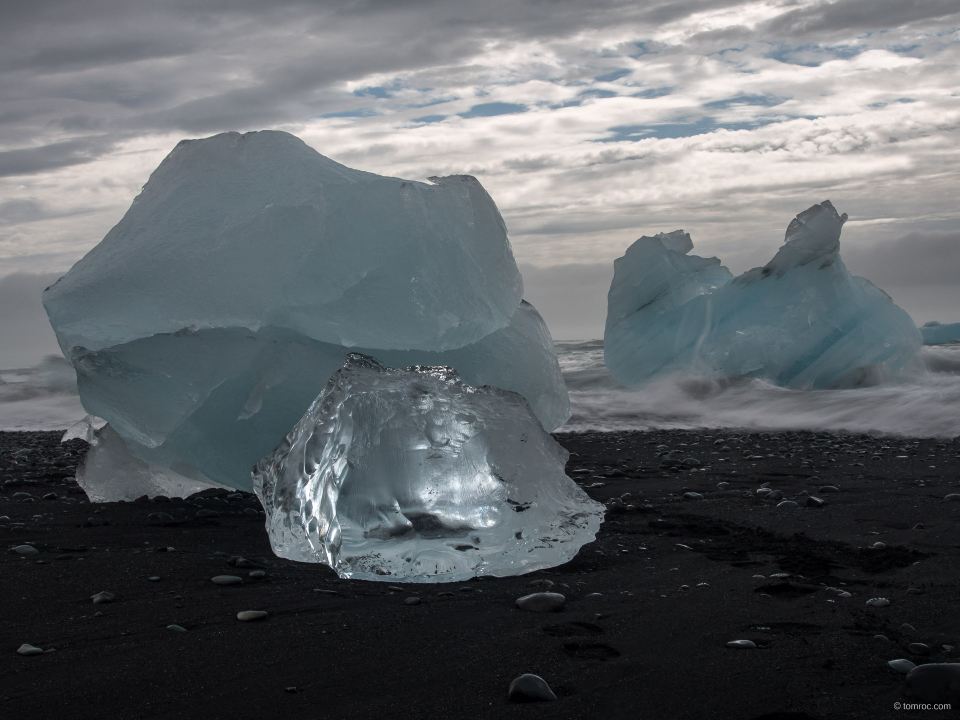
(414, 474)
(802, 320)
(207, 321)
(935, 333)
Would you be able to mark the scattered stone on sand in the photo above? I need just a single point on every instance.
(242, 562)
(775, 496)
(530, 688)
(723, 486)
(828, 489)
(103, 597)
(690, 495)
(936, 683)
(542, 602)
(257, 574)
(541, 583)
(27, 649)
(207, 514)
(394, 588)
(226, 580)
(815, 502)
(742, 644)
(918, 648)
(154, 578)
(251, 615)
(878, 602)
(878, 546)
(908, 628)
(177, 628)
(883, 638)
(901, 665)
(955, 497)
(412, 600)
(26, 550)
(160, 518)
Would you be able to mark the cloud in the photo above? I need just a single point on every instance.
(860, 15)
(27, 161)
(24, 329)
(931, 258)
(571, 298)
(591, 123)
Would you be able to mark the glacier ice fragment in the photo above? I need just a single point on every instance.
(800, 321)
(414, 474)
(206, 322)
(260, 229)
(935, 333)
(109, 473)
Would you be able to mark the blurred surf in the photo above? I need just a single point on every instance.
(924, 403)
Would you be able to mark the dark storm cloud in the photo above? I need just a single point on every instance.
(931, 258)
(860, 15)
(27, 161)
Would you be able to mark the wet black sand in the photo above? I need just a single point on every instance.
(647, 648)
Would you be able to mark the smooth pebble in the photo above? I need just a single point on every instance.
(542, 602)
(530, 688)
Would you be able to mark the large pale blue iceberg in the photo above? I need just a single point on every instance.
(935, 333)
(260, 230)
(206, 322)
(802, 320)
(415, 474)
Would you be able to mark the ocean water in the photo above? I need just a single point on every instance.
(925, 402)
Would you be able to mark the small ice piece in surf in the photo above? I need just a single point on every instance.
(85, 429)
(109, 473)
(415, 475)
(800, 321)
(935, 333)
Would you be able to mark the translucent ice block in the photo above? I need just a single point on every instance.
(414, 475)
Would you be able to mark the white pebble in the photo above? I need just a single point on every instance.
(251, 615)
(26, 649)
(742, 644)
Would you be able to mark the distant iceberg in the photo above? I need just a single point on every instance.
(935, 333)
(206, 322)
(802, 320)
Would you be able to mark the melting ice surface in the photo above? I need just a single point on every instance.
(206, 322)
(415, 474)
(800, 321)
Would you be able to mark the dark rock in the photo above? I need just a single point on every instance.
(530, 688)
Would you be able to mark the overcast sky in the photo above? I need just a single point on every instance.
(589, 122)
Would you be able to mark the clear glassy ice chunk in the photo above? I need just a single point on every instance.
(415, 475)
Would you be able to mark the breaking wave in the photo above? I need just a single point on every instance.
(43, 397)
(924, 403)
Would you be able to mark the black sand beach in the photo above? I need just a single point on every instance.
(677, 579)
